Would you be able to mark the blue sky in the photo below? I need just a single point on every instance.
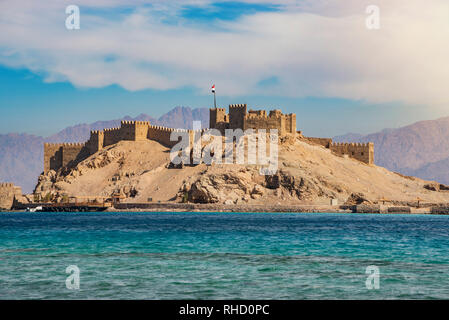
(227, 11)
(127, 60)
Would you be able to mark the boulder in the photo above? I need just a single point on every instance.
(356, 198)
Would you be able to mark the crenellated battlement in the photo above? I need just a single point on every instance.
(361, 151)
(64, 144)
(58, 155)
(351, 144)
(237, 106)
(262, 114)
(256, 114)
(6, 185)
(239, 118)
(132, 122)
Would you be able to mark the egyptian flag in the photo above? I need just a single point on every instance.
(213, 88)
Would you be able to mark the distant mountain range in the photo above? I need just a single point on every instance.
(21, 155)
(420, 149)
(179, 117)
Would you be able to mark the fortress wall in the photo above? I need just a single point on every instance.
(58, 155)
(361, 151)
(162, 135)
(325, 142)
(52, 156)
(255, 121)
(279, 123)
(258, 119)
(128, 131)
(111, 136)
(256, 113)
(134, 130)
(7, 193)
(141, 130)
(71, 152)
(239, 118)
(95, 142)
(217, 116)
(290, 123)
(6, 185)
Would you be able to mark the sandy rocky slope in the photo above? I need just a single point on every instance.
(307, 174)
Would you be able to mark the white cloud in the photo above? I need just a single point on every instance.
(314, 48)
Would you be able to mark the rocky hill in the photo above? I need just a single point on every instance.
(21, 155)
(420, 149)
(307, 174)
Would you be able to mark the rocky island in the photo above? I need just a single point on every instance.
(130, 167)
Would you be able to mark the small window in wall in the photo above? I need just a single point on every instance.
(362, 153)
(352, 152)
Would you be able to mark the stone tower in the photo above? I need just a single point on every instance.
(237, 113)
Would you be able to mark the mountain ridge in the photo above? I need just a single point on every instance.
(419, 149)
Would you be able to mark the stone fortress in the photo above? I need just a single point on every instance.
(9, 192)
(62, 155)
(240, 118)
(66, 155)
(363, 152)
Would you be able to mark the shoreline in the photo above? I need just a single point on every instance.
(438, 209)
(193, 207)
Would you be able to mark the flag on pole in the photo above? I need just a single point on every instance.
(215, 99)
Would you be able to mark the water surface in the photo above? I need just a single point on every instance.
(223, 255)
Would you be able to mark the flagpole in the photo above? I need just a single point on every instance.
(215, 101)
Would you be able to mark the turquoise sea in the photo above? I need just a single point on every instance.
(223, 255)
